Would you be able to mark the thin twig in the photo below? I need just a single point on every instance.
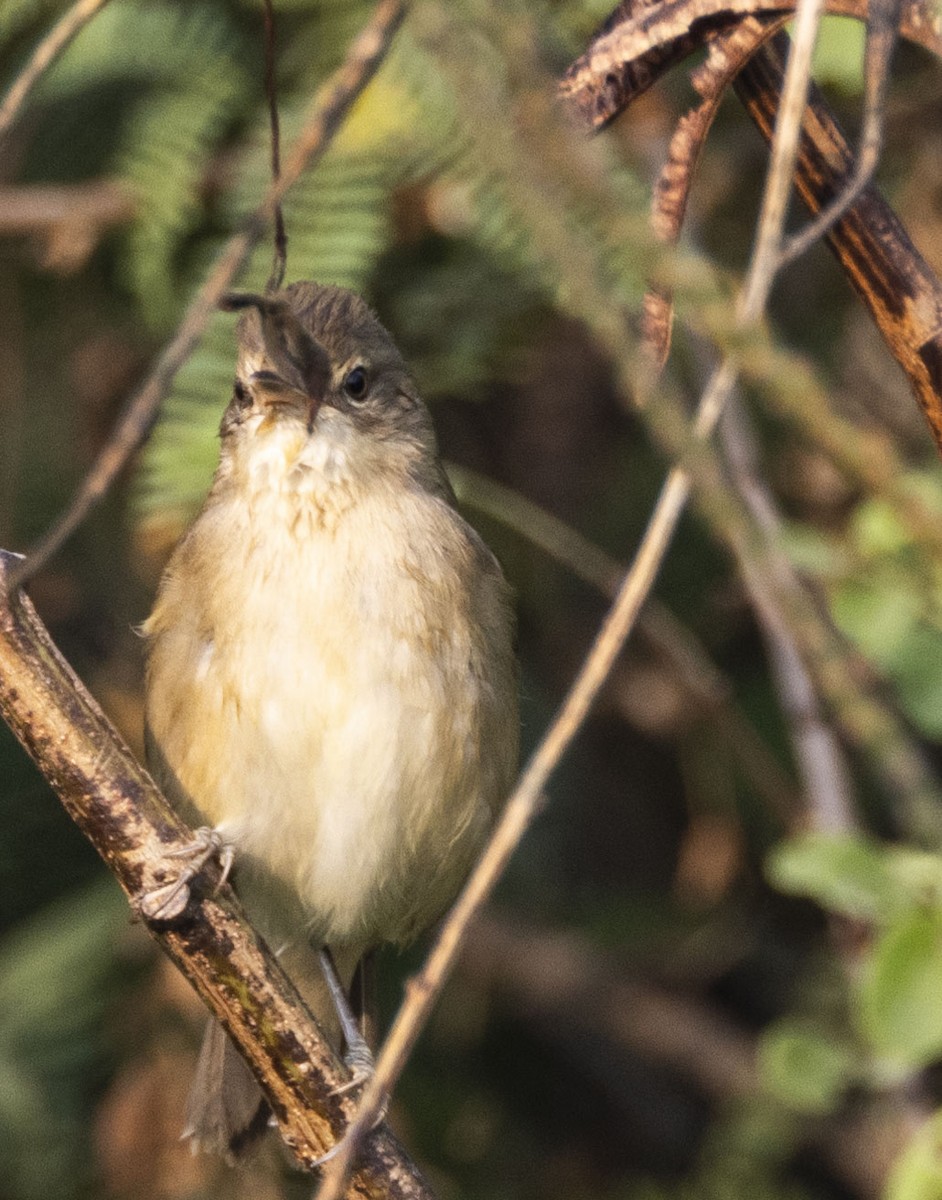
(882, 28)
(778, 182)
(13, 398)
(42, 58)
(562, 980)
(363, 58)
(867, 719)
(904, 298)
(566, 545)
(67, 220)
(573, 993)
(41, 207)
(280, 263)
(818, 753)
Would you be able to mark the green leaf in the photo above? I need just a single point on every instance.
(844, 874)
(917, 875)
(838, 54)
(804, 1066)
(878, 614)
(817, 553)
(917, 1173)
(877, 529)
(915, 671)
(900, 1010)
(60, 972)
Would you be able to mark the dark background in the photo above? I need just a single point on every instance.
(601, 1036)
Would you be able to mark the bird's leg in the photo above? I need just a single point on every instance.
(166, 902)
(364, 1000)
(357, 1056)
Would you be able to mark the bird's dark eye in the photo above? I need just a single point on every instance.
(241, 395)
(356, 383)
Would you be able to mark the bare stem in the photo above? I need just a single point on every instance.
(820, 757)
(280, 260)
(364, 56)
(778, 183)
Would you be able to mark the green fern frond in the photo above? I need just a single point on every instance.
(338, 227)
(147, 43)
(186, 67)
(548, 205)
(534, 235)
(181, 455)
(165, 151)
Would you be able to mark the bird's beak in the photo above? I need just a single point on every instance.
(301, 366)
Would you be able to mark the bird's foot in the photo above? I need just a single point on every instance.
(359, 1061)
(168, 900)
(358, 1056)
(377, 1121)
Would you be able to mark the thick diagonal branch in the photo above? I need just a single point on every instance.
(118, 807)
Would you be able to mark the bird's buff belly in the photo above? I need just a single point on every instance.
(354, 792)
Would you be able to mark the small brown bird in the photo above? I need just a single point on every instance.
(331, 684)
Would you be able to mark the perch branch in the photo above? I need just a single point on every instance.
(363, 58)
(117, 806)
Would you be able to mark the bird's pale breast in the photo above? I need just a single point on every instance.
(337, 699)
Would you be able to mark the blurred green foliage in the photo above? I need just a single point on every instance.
(508, 254)
(897, 993)
(59, 976)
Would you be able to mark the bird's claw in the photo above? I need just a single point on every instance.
(361, 1065)
(377, 1121)
(167, 901)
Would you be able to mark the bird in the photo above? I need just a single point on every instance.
(331, 680)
